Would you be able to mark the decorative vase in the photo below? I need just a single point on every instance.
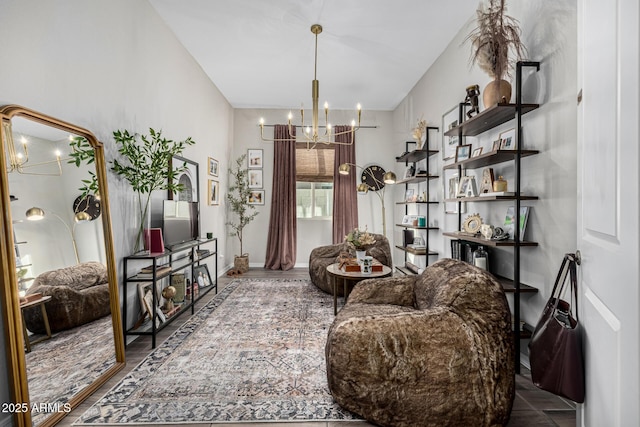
(241, 263)
(496, 91)
(360, 255)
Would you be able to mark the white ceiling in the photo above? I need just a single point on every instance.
(260, 53)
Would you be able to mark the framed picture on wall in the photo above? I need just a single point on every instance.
(255, 178)
(213, 192)
(256, 197)
(213, 166)
(254, 158)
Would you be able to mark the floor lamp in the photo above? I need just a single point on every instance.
(378, 186)
(36, 214)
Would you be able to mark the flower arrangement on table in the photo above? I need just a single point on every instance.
(359, 239)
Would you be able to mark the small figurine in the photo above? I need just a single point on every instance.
(473, 92)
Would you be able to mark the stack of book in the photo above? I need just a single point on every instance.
(147, 272)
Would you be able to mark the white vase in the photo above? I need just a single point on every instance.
(360, 256)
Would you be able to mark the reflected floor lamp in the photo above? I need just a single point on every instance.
(36, 214)
(374, 178)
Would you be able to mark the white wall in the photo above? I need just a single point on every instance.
(373, 145)
(549, 33)
(114, 65)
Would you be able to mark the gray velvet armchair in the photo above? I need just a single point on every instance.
(323, 256)
(428, 350)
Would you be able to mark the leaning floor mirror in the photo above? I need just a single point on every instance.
(63, 333)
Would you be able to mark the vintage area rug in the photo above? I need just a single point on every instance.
(255, 352)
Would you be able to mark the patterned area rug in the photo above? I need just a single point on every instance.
(68, 362)
(255, 352)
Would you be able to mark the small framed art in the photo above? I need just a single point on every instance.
(463, 152)
(409, 195)
(256, 197)
(508, 140)
(213, 191)
(255, 178)
(254, 158)
(201, 275)
(476, 152)
(449, 143)
(213, 166)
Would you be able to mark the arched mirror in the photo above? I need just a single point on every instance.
(59, 289)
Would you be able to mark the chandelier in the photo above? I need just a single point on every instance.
(311, 134)
(19, 160)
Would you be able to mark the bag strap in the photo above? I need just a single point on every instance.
(574, 282)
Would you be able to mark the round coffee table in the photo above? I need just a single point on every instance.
(350, 276)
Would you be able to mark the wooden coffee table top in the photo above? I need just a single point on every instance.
(334, 269)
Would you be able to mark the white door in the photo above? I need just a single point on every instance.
(608, 161)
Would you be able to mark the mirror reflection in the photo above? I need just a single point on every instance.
(61, 265)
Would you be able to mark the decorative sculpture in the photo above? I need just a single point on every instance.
(473, 92)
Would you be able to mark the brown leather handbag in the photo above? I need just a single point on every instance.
(555, 349)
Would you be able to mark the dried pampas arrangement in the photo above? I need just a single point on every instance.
(496, 36)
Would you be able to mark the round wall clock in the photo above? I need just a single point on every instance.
(373, 176)
(88, 204)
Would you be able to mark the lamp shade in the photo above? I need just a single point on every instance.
(343, 169)
(34, 214)
(363, 188)
(389, 178)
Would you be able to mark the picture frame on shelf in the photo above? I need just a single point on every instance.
(213, 166)
(255, 158)
(496, 145)
(449, 143)
(463, 152)
(255, 178)
(201, 276)
(409, 172)
(467, 187)
(409, 194)
(256, 197)
(476, 152)
(508, 140)
(408, 219)
(453, 187)
(213, 192)
(188, 178)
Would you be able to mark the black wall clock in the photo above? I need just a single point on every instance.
(373, 176)
(89, 204)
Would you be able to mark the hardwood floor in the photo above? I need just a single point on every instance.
(532, 406)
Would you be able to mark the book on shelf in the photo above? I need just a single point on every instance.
(510, 219)
(147, 272)
(498, 193)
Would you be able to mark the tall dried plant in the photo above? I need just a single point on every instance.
(496, 44)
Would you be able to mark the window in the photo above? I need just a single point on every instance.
(314, 181)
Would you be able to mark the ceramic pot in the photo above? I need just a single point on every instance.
(495, 91)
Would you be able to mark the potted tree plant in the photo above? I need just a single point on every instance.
(238, 198)
(496, 45)
(145, 165)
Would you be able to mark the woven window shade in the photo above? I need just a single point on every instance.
(314, 165)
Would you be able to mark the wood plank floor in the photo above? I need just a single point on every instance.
(532, 407)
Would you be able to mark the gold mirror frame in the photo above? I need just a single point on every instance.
(12, 318)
